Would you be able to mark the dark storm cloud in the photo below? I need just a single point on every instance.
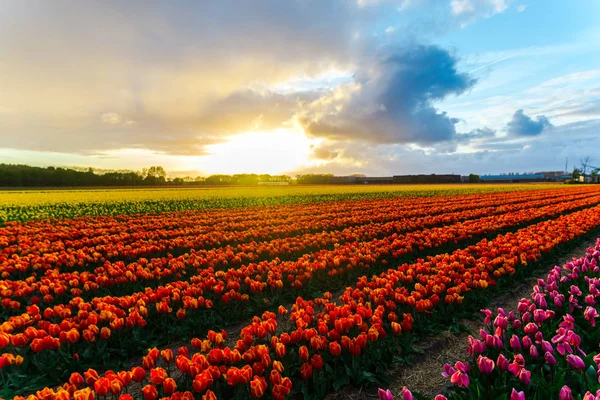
(391, 99)
(523, 125)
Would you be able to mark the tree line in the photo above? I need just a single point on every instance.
(28, 176)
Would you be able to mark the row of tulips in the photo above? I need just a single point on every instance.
(546, 348)
(70, 327)
(139, 238)
(328, 343)
(98, 228)
(121, 324)
(121, 278)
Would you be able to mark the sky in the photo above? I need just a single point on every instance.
(380, 87)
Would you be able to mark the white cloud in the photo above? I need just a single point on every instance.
(521, 7)
(470, 10)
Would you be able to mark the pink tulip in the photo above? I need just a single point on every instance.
(591, 314)
(406, 394)
(565, 393)
(549, 358)
(460, 377)
(502, 362)
(590, 299)
(531, 328)
(517, 324)
(515, 343)
(475, 346)
(533, 351)
(525, 376)
(575, 362)
(486, 366)
(448, 371)
(523, 305)
(526, 342)
(547, 347)
(514, 395)
(385, 394)
(440, 397)
(488, 316)
(501, 322)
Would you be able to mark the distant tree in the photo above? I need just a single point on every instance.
(314, 178)
(576, 174)
(155, 175)
(474, 178)
(586, 164)
(594, 174)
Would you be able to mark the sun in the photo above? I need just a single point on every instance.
(271, 152)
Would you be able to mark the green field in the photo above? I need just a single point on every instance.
(22, 205)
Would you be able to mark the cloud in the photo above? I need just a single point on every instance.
(478, 8)
(523, 125)
(521, 7)
(391, 99)
(476, 134)
(112, 118)
(177, 78)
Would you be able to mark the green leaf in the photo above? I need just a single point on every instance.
(341, 381)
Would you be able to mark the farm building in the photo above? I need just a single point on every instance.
(433, 178)
(514, 178)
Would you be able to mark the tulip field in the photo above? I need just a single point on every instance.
(292, 293)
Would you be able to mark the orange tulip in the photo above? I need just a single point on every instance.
(306, 371)
(76, 379)
(303, 353)
(169, 386)
(138, 374)
(258, 386)
(101, 386)
(84, 394)
(150, 392)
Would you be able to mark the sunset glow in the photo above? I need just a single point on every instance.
(274, 152)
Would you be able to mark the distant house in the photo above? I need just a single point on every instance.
(361, 180)
(433, 178)
(517, 178)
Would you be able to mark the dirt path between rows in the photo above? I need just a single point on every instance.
(424, 376)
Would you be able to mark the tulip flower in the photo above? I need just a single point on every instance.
(448, 371)
(460, 377)
(306, 371)
(591, 314)
(565, 393)
(406, 394)
(486, 366)
(150, 392)
(169, 386)
(514, 395)
(385, 394)
(576, 362)
(502, 362)
(549, 359)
